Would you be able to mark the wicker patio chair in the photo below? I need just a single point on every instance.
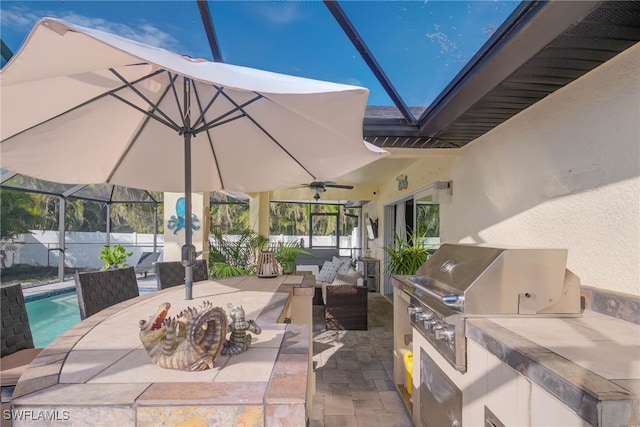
(17, 349)
(171, 273)
(98, 290)
(346, 307)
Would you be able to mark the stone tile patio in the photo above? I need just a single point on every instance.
(354, 373)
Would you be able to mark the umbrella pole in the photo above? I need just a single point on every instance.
(188, 250)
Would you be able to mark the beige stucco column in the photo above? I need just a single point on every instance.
(259, 208)
(174, 226)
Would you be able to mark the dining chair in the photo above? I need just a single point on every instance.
(171, 273)
(98, 290)
(17, 349)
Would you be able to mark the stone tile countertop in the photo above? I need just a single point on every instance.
(97, 373)
(590, 363)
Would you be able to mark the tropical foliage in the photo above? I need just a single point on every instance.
(18, 213)
(295, 219)
(114, 257)
(235, 255)
(286, 254)
(228, 215)
(23, 211)
(428, 220)
(406, 256)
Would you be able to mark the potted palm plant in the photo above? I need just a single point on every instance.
(286, 254)
(406, 256)
(235, 256)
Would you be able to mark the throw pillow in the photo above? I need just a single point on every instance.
(344, 264)
(328, 272)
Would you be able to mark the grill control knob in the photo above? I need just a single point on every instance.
(412, 309)
(430, 325)
(444, 334)
(424, 316)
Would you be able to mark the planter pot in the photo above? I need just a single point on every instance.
(288, 267)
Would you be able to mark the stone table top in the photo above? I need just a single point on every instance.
(590, 363)
(99, 373)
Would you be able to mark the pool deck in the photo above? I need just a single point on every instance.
(97, 371)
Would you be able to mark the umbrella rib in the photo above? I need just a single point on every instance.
(217, 121)
(149, 116)
(168, 121)
(271, 137)
(89, 101)
(202, 113)
(183, 114)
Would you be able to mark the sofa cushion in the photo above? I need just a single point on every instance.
(328, 272)
(354, 279)
(345, 279)
(344, 263)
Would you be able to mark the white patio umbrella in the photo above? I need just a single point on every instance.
(83, 106)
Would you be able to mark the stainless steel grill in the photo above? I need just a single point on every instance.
(461, 281)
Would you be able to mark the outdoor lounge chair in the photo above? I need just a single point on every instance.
(17, 350)
(346, 307)
(147, 262)
(98, 290)
(171, 273)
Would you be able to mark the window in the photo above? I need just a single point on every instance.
(317, 225)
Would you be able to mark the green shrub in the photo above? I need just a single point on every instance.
(235, 256)
(286, 254)
(406, 257)
(115, 257)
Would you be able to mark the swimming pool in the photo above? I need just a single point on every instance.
(52, 315)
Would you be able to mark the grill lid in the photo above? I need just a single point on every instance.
(481, 280)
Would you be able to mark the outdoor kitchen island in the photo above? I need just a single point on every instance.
(98, 374)
(534, 371)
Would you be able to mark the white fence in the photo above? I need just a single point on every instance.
(82, 250)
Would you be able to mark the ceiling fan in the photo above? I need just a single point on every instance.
(321, 186)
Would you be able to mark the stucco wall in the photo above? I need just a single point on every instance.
(563, 173)
(174, 236)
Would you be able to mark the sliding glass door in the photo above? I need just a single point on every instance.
(414, 217)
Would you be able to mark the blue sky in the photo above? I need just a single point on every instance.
(421, 45)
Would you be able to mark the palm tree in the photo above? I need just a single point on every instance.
(19, 213)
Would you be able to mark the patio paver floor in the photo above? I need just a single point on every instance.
(354, 373)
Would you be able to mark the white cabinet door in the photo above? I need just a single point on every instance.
(507, 392)
(515, 401)
(547, 411)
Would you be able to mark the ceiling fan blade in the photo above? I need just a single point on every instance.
(347, 187)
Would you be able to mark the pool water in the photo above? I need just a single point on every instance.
(51, 316)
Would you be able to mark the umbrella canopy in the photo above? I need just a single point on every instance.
(84, 106)
(103, 109)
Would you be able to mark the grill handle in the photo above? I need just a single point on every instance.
(453, 300)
